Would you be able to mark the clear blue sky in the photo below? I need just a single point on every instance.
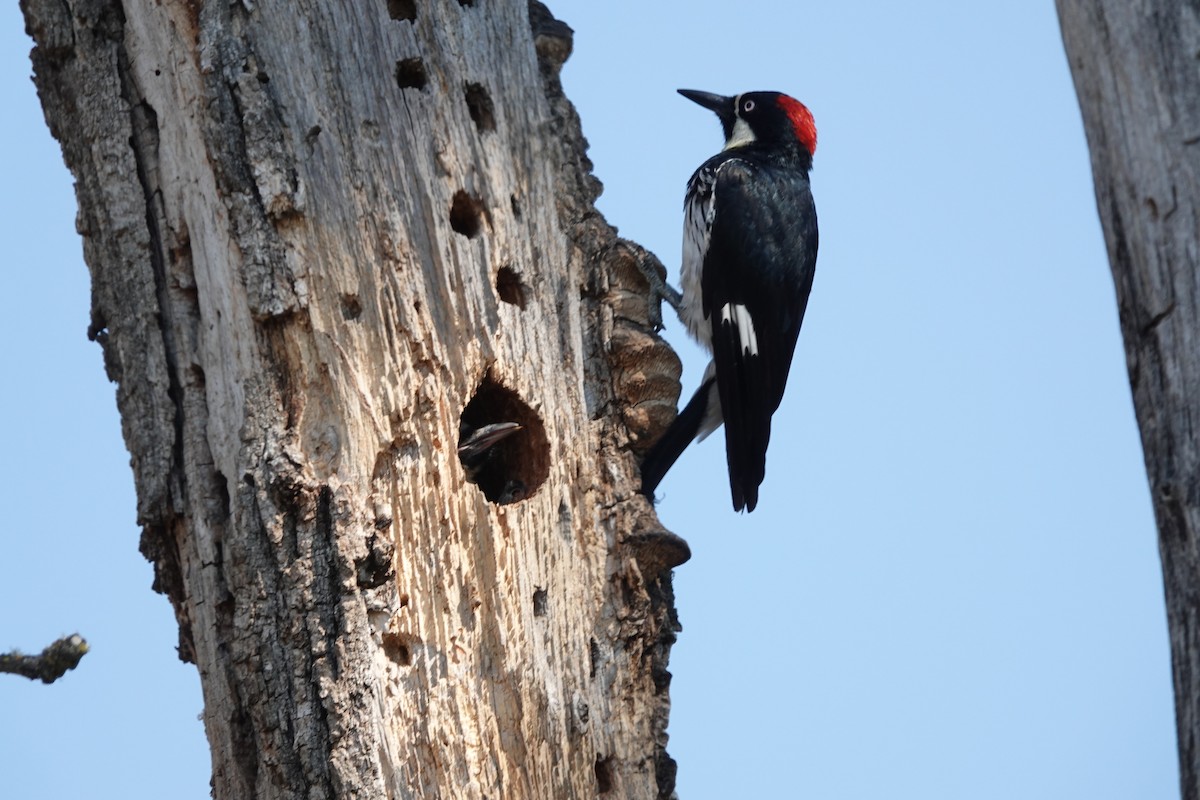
(950, 588)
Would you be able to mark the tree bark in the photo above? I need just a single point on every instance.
(1135, 71)
(324, 237)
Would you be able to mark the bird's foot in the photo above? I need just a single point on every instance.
(652, 270)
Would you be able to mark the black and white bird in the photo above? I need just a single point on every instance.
(749, 254)
(476, 445)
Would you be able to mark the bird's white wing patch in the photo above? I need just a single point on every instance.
(739, 316)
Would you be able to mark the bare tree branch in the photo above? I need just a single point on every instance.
(48, 665)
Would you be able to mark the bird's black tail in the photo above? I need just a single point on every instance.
(679, 435)
(746, 405)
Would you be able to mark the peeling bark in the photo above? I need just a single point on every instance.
(322, 237)
(1135, 71)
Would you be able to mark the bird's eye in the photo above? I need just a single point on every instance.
(748, 106)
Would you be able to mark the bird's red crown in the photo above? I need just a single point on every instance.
(802, 121)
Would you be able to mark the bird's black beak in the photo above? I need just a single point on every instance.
(719, 104)
(480, 439)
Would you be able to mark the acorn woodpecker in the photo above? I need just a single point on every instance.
(475, 445)
(749, 253)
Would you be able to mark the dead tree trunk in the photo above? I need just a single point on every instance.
(1135, 72)
(322, 238)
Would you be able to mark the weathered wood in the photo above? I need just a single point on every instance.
(1136, 74)
(323, 236)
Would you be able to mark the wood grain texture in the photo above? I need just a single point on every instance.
(306, 224)
(1137, 74)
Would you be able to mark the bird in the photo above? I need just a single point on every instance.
(749, 256)
(475, 444)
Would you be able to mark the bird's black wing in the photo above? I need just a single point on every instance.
(757, 274)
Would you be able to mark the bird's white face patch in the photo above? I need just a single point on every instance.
(740, 135)
(739, 316)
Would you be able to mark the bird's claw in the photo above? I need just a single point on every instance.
(660, 290)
